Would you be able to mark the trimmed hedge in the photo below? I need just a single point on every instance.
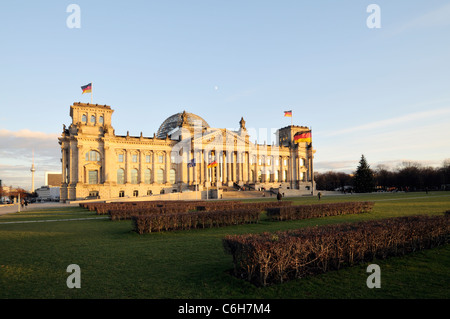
(104, 208)
(127, 213)
(194, 220)
(122, 211)
(269, 258)
(318, 210)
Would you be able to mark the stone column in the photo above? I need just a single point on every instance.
(224, 168)
(257, 166)
(80, 160)
(127, 167)
(217, 168)
(229, 174)
(106, 164)
(166, 167)
(153, 174)
(64, 163)
(274, 168)
(141, 167)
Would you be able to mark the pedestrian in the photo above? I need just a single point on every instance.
(319, 195)
(279, 196)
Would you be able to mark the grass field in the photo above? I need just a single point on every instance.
(118, 263)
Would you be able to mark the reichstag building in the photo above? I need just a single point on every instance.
(185, 154)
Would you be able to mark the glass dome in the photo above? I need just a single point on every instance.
(176, 120)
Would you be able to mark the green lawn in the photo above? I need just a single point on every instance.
(118, 263)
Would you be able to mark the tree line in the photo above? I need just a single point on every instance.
(409, 176)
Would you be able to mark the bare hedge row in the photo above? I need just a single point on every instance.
(123, 212)
(175, 206)
(103, 208)
(127, 213)
(269, 258)
(184, 221)
(318, 210)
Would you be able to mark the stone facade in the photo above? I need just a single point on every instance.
(98, 163)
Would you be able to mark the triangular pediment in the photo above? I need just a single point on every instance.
(217, 137)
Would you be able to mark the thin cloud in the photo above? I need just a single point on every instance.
(392, 121)
(27, 134)
(439, 17)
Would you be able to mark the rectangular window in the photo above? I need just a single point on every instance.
(120, 158)
(148, 158)
(160, 158)
(134, 158)
(93, 194)
(93, 177)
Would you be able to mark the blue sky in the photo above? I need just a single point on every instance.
(384, 92)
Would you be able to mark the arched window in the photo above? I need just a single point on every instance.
(172, 176)
(134, 176)
(93, 119)
(120, 176)
(101, 120)
(160, 176)
(93, 156)
(148, 176)
(84, 118)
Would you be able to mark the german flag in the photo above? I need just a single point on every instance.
(87, 88)
(213, 164)
(302, 137)
(287, 113)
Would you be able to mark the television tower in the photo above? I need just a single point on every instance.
(32, 174)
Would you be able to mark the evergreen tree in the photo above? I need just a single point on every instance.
(364, 181)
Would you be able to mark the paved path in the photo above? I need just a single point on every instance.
(6, 209)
